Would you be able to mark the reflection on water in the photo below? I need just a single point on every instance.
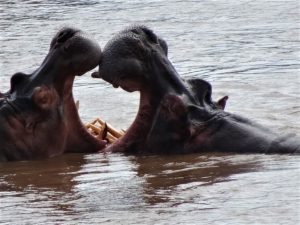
(31, 186)
(248, 50)
(115, 188)
(164, 174)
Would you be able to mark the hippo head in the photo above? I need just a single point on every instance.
(128, 59)
(38, 116)
(136, 59)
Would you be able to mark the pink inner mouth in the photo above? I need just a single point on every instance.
(136, 135)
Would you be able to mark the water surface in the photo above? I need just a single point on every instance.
(248, 50)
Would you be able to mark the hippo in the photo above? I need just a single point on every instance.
(38, 115)
(177, 115)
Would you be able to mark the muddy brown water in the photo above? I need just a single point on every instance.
(248, 50)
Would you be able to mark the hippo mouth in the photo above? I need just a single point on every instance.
(38, 115)
(152, 108)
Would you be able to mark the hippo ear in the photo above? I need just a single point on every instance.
(201, 90)
(44, 97)
(17, 80)
(222, 102)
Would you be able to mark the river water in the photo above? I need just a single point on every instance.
(248, 50)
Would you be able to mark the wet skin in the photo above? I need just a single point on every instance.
(177, 116)
(38, 116)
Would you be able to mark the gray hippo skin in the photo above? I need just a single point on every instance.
(38, 116)
(177, 116)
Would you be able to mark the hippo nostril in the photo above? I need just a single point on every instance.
(65, 35)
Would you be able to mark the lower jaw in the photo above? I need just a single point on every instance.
(135, 138)
(79, 139)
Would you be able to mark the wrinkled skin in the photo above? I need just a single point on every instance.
(38, 116)
(177, 116)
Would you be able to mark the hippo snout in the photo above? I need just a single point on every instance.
(75, 51)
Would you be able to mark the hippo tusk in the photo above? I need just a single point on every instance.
(111, 138)
(77, 105)
(103, 131)
(110, 128)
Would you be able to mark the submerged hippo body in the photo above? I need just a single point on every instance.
(177, 116)
(38, 116)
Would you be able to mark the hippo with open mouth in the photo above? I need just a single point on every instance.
(38, 116)
(177, 116)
